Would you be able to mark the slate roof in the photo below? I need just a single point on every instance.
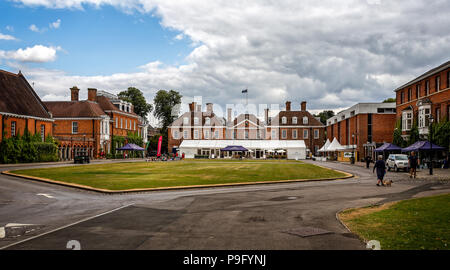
(18, 97)
(74, 109)
(106, 104)
(312, 121)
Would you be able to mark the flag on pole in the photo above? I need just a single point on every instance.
(244, 91)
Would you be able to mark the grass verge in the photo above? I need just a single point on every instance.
(416, 224)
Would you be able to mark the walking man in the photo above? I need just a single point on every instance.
(368, 160)
(380, 166)
(412, 165)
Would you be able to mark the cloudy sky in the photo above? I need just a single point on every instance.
(331, 53)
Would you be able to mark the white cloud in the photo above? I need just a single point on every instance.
(9, 28)
(56, 24)
(330, 53)
(34, 28)
(37, 53)
(6, 37)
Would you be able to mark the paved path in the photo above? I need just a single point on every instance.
(248, 217)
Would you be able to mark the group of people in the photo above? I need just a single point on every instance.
(381, 168)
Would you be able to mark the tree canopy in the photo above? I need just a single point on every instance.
(136, 97)
(324, 116)
(389, 100)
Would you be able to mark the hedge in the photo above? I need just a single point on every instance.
(27, 148)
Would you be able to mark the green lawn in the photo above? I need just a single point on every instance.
(412, 224)
(123, 176)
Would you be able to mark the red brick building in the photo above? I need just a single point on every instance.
(21, 108)
(88, 126)
(363, 127)
(428, 94)
(290, 127)
(299, 125)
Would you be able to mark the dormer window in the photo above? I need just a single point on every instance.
(185, 121)
(208, 121)
(284, 120)
(294, 120)
(305, 120)
(195, 120)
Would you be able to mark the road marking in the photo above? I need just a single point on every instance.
(45, 195)
(66, 226)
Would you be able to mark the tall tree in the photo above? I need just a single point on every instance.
(324, 116)
(165, 102)
(136, 97)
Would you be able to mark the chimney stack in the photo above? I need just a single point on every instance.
(266, 115)
(288, 106)
(199, 108)
(209, 109)
(192, 107)
(229, 115)
(74, 92)
(92, 94)
(303, 106)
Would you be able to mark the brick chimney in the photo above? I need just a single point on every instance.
(288, 106)
(92, 94)
(199, 108)
(74, 93)
(209, 109)
(303, 106)
(266, 115)
(192, 106)
(229, 110)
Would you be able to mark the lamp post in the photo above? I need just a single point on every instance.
(353, 147)
(430, 136)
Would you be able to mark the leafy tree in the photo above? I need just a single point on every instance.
(389, 100)
(136, 97)
(165, 105)
(414, 134)
(441, 134)
(324, 116)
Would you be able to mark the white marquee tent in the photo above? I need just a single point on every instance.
(295, 149)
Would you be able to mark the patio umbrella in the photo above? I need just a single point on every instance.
(237, 148)
(388, 147)
(422, 146)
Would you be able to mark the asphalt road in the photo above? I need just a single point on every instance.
(248, 217)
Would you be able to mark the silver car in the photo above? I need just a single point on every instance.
(397, 162)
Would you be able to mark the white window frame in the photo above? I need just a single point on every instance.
(73, 126)
(273, 134)
(175, 134)
(305, 120)
(407, 120)
(284, 120)
(283, 133)
(185, 121)
(206, 134)
(13, 128)
(43, 133)
(185, 134)
(216, 134)
(424, 116)
(305, 134)
(246, 134)
(195, 120)
(121, 123)
(294, 134)
(316, 132)
(207, 121)
(294, 120)
(117, 122)
(196, 134)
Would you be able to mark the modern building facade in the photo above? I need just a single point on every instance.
(428, 94)
(293, 133)
(362, 128)
(21, 108)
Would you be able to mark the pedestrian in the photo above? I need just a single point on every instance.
(380, 166)
(412, 165)
(368, 160)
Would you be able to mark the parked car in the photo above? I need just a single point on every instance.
(397, 162)
(81, 159)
